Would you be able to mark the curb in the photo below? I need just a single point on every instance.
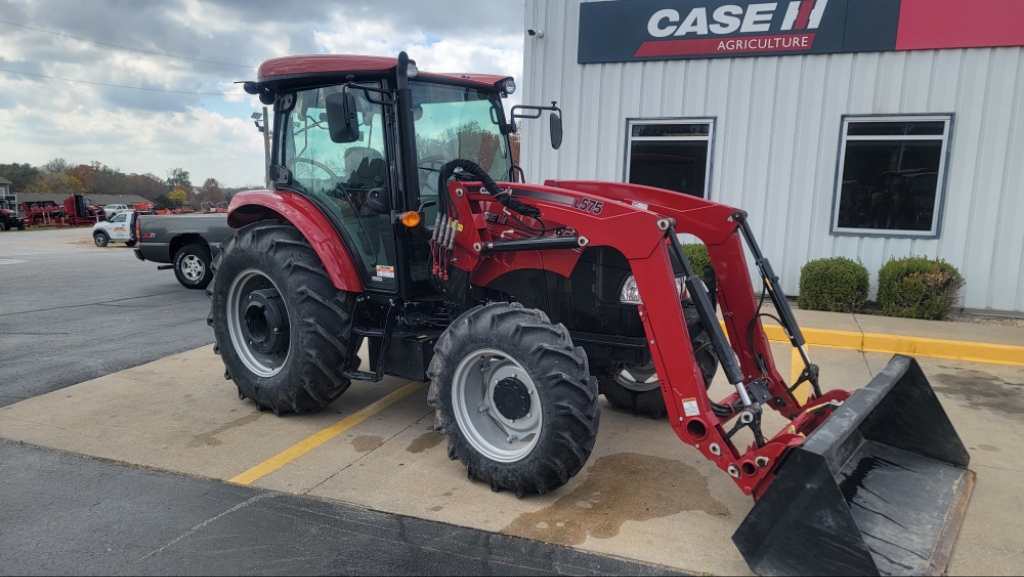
(904, 345)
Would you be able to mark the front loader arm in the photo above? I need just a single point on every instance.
(642, 228)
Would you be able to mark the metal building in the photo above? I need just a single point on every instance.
(857, 128)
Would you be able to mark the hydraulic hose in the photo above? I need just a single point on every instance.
(474, 169)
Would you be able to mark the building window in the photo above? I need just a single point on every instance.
(670, 154)
(891, 176)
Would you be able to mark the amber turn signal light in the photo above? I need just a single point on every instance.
(411, 219)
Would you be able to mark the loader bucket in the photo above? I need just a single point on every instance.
(880, 488)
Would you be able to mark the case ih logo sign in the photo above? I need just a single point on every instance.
(669, 29)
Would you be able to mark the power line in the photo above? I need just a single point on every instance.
(127, 48)
(120, 85)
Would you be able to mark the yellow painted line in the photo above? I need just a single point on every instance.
(302, 447)
(904, 345)
(796, 367)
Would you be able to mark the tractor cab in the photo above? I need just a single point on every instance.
(364, 138)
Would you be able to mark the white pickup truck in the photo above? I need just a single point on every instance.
(120, 228)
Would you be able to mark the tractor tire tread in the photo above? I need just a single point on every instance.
(560, 370)
(312, 375)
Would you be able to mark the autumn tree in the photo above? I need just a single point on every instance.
(211, 191)
(60, 183)
(179, 195)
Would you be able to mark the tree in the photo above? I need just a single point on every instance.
(163, 202)
(179, 177)
(179, 196)
(147, 186)
(55, 166)
(211, 191)
(21, 175)
(61, 183)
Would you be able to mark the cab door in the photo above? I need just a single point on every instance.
(119, 229)
(339, 177)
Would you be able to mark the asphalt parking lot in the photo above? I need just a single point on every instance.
(70, 312)
(183, 476)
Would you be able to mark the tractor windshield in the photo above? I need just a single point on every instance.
(457, 122)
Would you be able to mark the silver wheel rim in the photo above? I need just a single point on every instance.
(490, 432)
(261, 364)
(192, 267)
(639, 379)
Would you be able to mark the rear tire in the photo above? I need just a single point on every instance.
(553, 398)
(101, 239)
(130, 243)
(275, 263)
(192, 266)
(21, 226)
(642, 398)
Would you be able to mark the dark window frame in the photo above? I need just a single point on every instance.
(943, 172)
(710, 138)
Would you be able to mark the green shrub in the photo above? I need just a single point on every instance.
(833, 284)
(697, 254)
(918, 287)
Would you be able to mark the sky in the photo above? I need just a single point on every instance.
(219, 42)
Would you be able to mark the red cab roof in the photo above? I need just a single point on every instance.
(297, 66)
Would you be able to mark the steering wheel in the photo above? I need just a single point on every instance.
(435, 163)
(335, 179)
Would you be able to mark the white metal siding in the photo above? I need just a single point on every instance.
(776, 141)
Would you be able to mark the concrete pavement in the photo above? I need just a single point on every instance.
(643, 495)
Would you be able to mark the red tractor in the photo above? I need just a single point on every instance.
(398, 216)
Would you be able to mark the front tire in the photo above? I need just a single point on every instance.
(192, 266)
(267, 277)
(514, 397)
(130, 243)
(101, 239)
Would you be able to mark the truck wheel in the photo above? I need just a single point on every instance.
(3, 226)
(101, 239)
(281, 327)
(130, 243)
(638, 390)
(21, 225)
(514, 397)
(192, 266)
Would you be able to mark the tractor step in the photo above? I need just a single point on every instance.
(359, 375)
(880, 488)
(368, 332)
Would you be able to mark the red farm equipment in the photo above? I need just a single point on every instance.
(77, 210)
(397, 216)
(80, 211)
(42, 212)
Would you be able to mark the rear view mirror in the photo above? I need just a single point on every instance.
(556, 131)
(342, 121)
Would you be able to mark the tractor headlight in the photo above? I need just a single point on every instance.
(629, 294)
(509, 86)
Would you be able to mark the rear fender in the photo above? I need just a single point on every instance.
(256, 205)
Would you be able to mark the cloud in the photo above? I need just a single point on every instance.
(143, 131)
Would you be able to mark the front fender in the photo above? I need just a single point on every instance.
(256, 205)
